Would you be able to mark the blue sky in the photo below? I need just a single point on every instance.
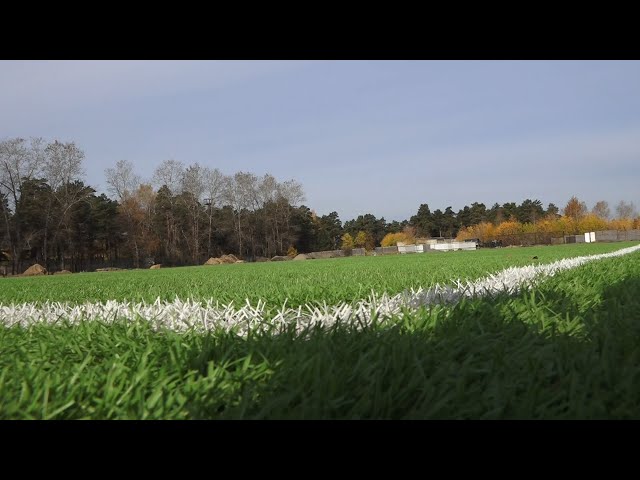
(377, 137)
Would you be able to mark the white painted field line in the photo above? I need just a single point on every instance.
(182, 315)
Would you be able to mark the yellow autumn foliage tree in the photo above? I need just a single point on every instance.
(485, 231)
(549, 224)
(510, 227)
(392, 239)
(567, 225)
(575, 221)
(347, 242)
(592, 223)
(575, 208)
(509, 231)
(364, 240)
(621, 224)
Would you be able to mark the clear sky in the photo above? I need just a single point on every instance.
(377, 137)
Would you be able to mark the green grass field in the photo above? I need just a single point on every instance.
(331, 281)
(570, 348)
(567, 349)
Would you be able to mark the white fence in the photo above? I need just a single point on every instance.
(410, 249)
(454, 246)
(442, 247)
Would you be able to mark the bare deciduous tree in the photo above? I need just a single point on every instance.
(169, 173)
(213, 181)
(626, 210)
(19, 161)
(192, 193)
(292, 194)
(268, 189)
(268, 192)
(122, 180)
(601, 209)
(62, 166)
(234, 196)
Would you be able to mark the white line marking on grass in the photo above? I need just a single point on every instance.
(183, 315)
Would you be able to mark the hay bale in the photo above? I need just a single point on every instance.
(155, 267)
(34, 270)
(228, 258)
(300, 256)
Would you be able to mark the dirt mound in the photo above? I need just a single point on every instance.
(34, 270)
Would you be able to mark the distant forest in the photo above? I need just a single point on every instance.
(188, 213)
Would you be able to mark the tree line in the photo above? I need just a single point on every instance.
(576, 219)
(185, 214)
